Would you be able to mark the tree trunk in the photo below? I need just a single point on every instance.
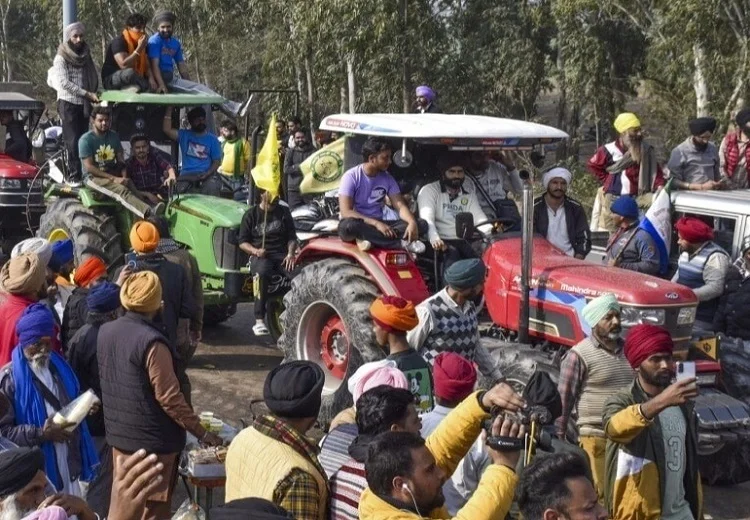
(342, 106)
(700, 82)
(310, 90)
(352, 84)
(405, 65)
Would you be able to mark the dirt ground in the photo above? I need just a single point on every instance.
(229, 369)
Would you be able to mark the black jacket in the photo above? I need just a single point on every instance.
(575, 218)
(733, 315)
(18, 145)
(293, 158)
(74, 314)
(81, 354)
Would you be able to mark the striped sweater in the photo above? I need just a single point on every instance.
(347, 485)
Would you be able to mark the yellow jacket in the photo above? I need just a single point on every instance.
(449, 443)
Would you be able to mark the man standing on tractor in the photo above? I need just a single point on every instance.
(362, 195)
(73, 76)
(165, 52)
(652, 453)
(734, 152)
(148, 170)
(589, 373)
(702, 266)
(267, 234)
(126, 60)
(103, 165)
(17, 145)
(440, 201)
(626, 166)
(694, 164)
(200, 150)
(491, 181)
(448, 320)
(561, 219)
(236, 150)
(294, 157)
(631, 247)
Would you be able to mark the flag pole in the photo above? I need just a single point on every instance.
(265, 219)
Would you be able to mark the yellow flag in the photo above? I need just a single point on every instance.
(322, 171)
(267, 171)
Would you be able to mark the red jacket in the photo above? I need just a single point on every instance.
(11, 309)
(607, 155)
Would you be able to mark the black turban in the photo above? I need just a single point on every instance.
(702, 125)
(448, 160)
(195, 113)
(255, 508)
(164, 16)
(18, 467)
(743, 118)
(294, 389)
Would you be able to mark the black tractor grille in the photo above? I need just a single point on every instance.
(227, 249)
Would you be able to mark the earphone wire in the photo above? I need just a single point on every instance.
(408, 489)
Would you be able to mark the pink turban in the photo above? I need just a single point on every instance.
(375, 374)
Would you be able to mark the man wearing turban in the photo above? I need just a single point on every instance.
(272, 458)
(425, 100)
(38, 383)
(652, 453)
(632, 247)
(589, 373)
(626, 166)
(60, 267)
(23, 279)
(455, 379)
(733, 315)
(392, 318)
(559, 218)
(448, 320)
(155, 416)
(734, 152)
(88, 274)
(702, 266)
(694, 164)
(491, 181)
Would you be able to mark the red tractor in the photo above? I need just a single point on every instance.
(327, 320)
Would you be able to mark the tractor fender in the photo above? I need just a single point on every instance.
(402, 279)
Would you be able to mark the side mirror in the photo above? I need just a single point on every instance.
(464, 225)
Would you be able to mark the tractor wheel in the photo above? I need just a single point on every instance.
(216, 314)
(735, 368)
(93, 233)
(327, 321)
(518, 362)
(274, 310)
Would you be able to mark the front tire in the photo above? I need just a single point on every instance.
(327, 321)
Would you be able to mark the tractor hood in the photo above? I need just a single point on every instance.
(555, 271)
(214, 211)
(12, 169)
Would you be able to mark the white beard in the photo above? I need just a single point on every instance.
(9, 509)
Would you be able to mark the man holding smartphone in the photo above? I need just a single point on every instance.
(651, 436)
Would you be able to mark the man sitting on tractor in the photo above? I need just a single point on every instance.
(560, 219)
(200, 150)
(448, 320)
(491, 181)
(147, 169)
(439, 203)
(126, 61)
(103, 165)
(17, 145)
(362, 201)
(267, 234)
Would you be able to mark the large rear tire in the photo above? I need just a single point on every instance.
(93, 233)
(327, 321)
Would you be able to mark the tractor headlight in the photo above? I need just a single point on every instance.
(631, 316)
(686, 316)
(10, 184)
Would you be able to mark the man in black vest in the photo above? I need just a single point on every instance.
(153, 416)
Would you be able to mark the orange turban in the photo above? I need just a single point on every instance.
(89, 271)
(144, 237)
(394, 314)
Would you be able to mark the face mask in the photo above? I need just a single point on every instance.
(454, 183)
(165, 34)
(200, 128)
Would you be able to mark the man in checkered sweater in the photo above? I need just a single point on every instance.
(448, 320)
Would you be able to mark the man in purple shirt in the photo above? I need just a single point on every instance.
(362, 195)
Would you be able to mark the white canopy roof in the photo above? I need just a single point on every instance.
(441, 126)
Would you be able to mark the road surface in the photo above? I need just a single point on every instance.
(229, 368)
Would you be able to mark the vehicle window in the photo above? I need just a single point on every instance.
(723, 232)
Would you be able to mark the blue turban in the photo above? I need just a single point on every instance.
(625, 206)
(104, 297)
(62, 253)
(426, 92)
(465, 274)
(35, 323)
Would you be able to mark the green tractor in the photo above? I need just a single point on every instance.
(206, 225)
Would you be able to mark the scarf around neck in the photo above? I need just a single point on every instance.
(81, 60)
(141, 63)
(647, 167)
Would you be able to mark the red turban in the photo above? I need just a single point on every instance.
(694, 230)
(90, 270)
(394, 314)
(454, 377)
(644, 341)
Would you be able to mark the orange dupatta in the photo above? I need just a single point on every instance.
(141, 64)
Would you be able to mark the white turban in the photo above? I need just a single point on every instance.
(40, 246)
(554, 173)
(70, 29)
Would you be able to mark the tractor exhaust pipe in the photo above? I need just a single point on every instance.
(526, 251)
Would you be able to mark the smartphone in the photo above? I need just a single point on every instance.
(130, 259)
(685, 370)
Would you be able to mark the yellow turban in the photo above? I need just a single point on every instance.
(141, 292)
(626, 121)
(144, 237)
(23, 274)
